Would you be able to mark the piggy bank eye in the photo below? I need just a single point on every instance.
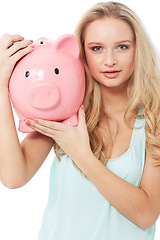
(56, 70)
(27, 74)
(41, 42)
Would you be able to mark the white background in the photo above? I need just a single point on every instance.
(21, 210)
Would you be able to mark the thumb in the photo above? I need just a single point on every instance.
(81, 116)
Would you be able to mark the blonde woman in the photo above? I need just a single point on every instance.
(106, 184)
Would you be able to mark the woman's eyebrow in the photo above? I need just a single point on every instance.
(117, 42)
(94, 43)
(123, 41)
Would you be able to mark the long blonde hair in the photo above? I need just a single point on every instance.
(143, 88)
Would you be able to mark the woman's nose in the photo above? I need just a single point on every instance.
(110, 59)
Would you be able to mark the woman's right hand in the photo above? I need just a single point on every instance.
(12, 49)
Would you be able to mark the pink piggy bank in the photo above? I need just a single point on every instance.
(49, 82)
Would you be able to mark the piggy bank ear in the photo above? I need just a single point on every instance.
(67, 43)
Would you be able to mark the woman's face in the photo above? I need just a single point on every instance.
(110, 51)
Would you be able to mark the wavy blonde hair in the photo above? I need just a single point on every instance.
(143, 88)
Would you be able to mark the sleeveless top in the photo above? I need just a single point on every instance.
(76, 210)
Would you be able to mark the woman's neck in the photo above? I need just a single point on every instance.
(114, 100)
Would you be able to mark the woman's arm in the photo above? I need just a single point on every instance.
(18, 163)
(140, 205)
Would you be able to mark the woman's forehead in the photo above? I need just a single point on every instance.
(109, 29)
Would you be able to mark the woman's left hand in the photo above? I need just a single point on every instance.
(73, 140)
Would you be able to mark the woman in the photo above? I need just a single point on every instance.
(115, 145)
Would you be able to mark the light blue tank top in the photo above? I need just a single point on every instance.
(76, 210)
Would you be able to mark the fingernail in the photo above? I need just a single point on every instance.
(82, 107)
(32, 46)
(28, 123)
(31, 41)
(36, 120)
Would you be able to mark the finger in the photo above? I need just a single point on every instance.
(42, 131)
(81, 115)
(40, 128)
(17, 46)
(21, 53)
(7, 40)
(57, 126)
(46, 126)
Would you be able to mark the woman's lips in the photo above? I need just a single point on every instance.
(111, 74)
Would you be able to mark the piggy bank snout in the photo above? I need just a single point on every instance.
(44, 96)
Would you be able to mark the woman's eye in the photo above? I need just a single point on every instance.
(122, 47)
(97, 48)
